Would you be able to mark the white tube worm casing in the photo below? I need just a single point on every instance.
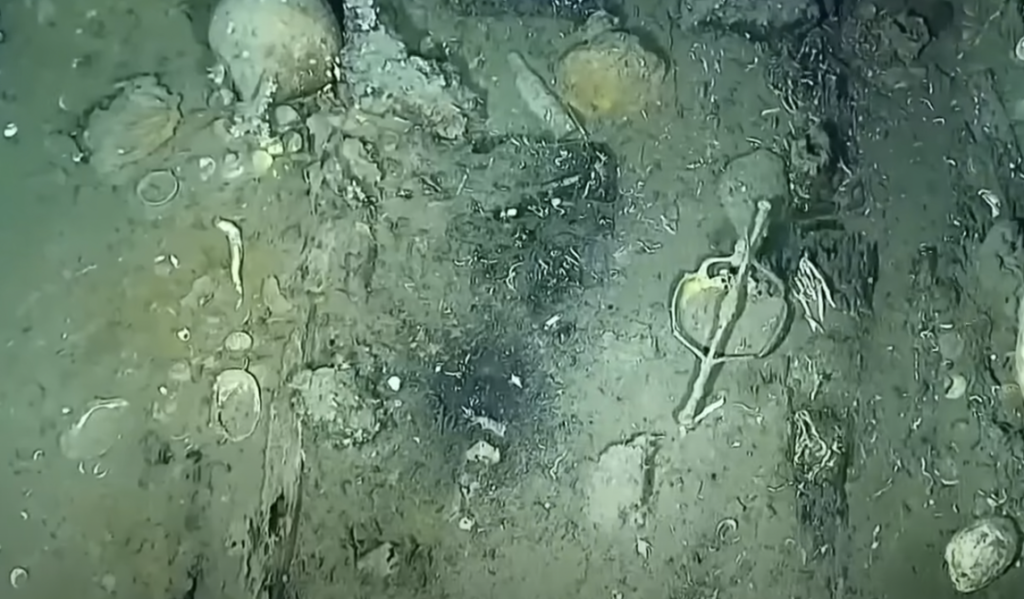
(235, 253)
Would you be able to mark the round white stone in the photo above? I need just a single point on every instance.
(394, 383)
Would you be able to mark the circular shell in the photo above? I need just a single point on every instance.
(237, 404)
(239, 341)
(157, 188)
(956, 386)
(1018, 50)
(981, 552)
(18, 576)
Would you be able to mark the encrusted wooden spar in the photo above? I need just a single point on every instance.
(539, 98)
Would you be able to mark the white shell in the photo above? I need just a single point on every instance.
(981, 552)
(1018, 50)
(17, 577)
(956, 386)
(207, 166)
(233, 167)
(261, 161)
(237, 404)
(274, 147)
(238, 341)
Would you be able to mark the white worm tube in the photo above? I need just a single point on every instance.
(234, 234)
(1018, 352)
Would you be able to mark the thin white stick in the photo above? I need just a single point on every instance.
(728, 312)
(1018, 353)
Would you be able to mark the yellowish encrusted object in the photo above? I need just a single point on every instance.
(609, 73)
(696, 284)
